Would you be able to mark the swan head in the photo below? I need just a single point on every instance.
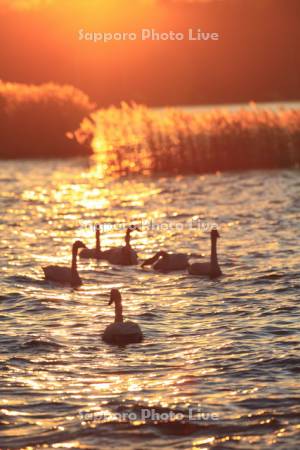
(97, 228)
(162, 254)
(150, 261)
(128, 231)
(115, 296)
(214, 234)
(133, 228)
(78, 244)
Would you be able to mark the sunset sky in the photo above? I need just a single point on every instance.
(256, 57)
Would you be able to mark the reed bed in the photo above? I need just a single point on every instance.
(38, 120)
(136, 139)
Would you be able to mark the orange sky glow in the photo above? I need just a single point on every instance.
(44, 47)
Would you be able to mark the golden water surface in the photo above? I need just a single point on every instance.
(229, 347)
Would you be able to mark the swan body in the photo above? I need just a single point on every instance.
(93, 253)
(166, 262)
(212, 268)
(125, 255)
(62, 274)
(120, 332)
(90, 253)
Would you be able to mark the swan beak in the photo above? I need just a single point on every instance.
(133, 228)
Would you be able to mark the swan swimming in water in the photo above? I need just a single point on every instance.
(211, 268)
(121, 332)
(125, 255)
(66, 274)
(96, 252)
(166, 262)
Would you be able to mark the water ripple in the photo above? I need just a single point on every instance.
(229, 345)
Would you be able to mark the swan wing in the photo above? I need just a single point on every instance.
(133, 257)
(200, 269)
(122, 333)
(114, 255)
(90, 253)
(106, 253)
(174, 261)
(58, 273)
(131, 327)
(86, 253)
(122, 256)
(178, 261)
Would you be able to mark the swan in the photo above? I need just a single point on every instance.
(211, 268)
(121, 332)
(125, 255)
(66, 274)
(166, 262)
(96, 252)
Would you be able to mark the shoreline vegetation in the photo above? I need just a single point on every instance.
(137, 139)
(36, 121)
(50, 121)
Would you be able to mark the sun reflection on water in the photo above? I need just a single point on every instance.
(214, 343)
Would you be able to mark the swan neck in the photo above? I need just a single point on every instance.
(127, 238)
(213, 253)
(118, 312)
(74, 261)
(98, 245)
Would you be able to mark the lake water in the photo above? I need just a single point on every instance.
(228, 348)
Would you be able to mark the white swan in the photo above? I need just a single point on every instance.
(211, 268)
(121, 332)
(125, 255)
(66, 274)
(166, 262)
(96, 252)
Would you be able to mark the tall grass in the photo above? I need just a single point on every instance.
(134, 138)
(35, 120)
